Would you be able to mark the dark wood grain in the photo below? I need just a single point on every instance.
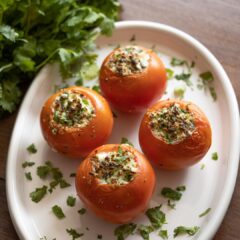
(215, 23)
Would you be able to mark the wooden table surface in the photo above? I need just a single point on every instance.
(215, 23)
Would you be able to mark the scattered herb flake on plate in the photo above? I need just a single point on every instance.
(156, 217)
(205, 212)
(215, 156)
(171, 194)
(163, 234)
(71, 201)
(74, 234)
(185, 230)
(28, 176)
(38, 194)
(82, 211)
(126, 141)
(123, 231)
(58, 212)
(144, 231)
(32, 148)
(28, 164)
(170, 73)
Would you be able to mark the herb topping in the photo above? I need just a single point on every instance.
(128, 60)
(172, 124)
(71, 109)
(114, 167)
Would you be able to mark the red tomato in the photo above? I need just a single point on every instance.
(114, 202)
(76, 140)
(136, 91)
(175, 155)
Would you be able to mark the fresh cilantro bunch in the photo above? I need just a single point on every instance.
(36, 32)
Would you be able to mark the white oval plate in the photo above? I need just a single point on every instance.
(211, 187)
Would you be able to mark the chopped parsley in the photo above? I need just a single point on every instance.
(27, 164)
(71, 201)
(38, 194)
(79, 82)
(82, 211)
(185, 230)
(184, 77)
(181, 188)
(171, 204)
(58, 212)
(207, 80)
(28, 176)
(74, 234)
(171, 194)
(179, 92)
(177, 62)
(215, 156)
(202, 166)
(126, 141)
(32, 148)
(205, 212)
(170, 73)
(156, 217)
(163, 234)
(123, 231)
(144, 231)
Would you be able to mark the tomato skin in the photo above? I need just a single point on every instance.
(180, 155)
(78, 142)
(116, 204)
(136, 92)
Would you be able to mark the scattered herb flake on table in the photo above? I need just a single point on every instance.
(32, 148)
(123, 231)
(133, 38)
(58, 212)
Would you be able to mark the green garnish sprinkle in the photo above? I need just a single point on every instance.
(156, 217)
(82, 211)
(145, 231)
(32, 148)
(205, 212)
(58, 212)
(163, 234)
(170, 73)
(74, 234)
(123, 231)
(28, 176)
(185, 230)
(71, 201)
(179, 92)
(215, 156)
(126, 141)
(38, 194)
(171, 194)
(27, 164)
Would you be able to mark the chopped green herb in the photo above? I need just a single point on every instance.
(71, 201)
(185, 230)
(73, 175)
(177, 62)
(205, 212)
(215, 156)
(207, 81)
(145, 231)
(82, 211)
(28, 176)
(171, 204)
(99, 236)
(181, 188)
(43, 171)
(179, 92)
(63, 183)
(38, 194)
(74, 234)
(170, 73)
(202, 166)
(133, 38)
(96, 88)
(126, 141)
(58, 212)
(32, 148)
(156, 217)
(163, 234)
(184, 77)
(123, 231)
(28, 164)
(171, 194)
(79, 82)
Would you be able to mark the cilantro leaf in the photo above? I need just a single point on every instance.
(156, 217)
(32, 148)
(185, 230)
(38, 194)
(74, 234)
(27, 164)
(145, 231)
(58, 212)
(28, 176)
(163, 234)
(71, 201)
(215, 156)
(123, 231)
(171, 194)
(82, 211)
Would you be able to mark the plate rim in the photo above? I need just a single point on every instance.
(229, 185)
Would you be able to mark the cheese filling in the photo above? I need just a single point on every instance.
(72, 109)
(118, 168)
(129, 60)
(172, 124)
